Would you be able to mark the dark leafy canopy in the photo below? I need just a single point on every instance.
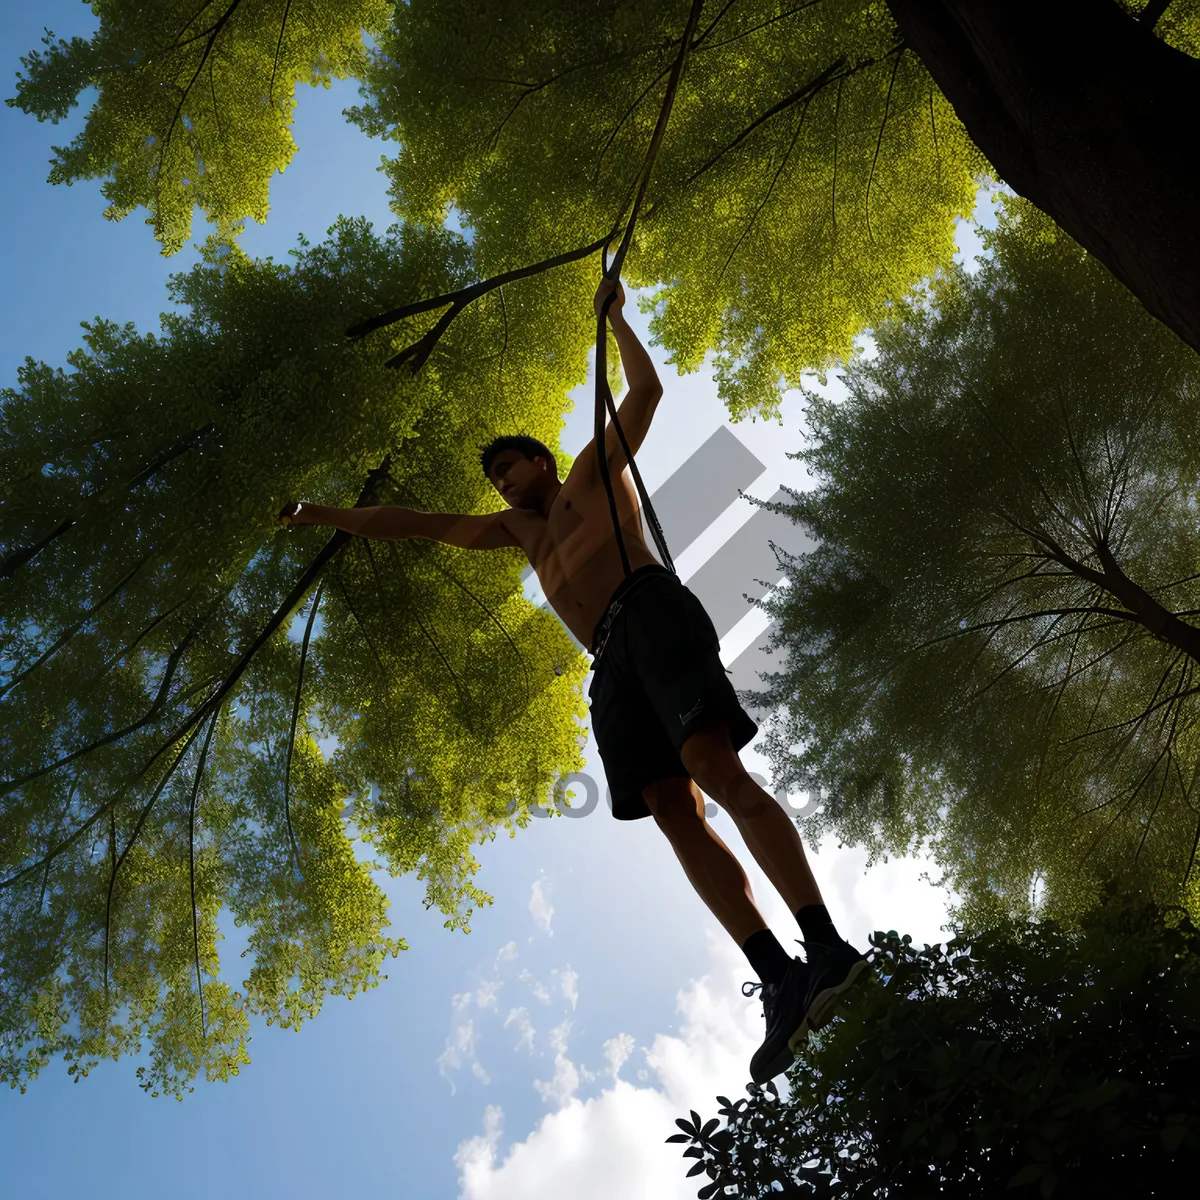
(1030, 1060)
(994, 647)
(194, 101)
(153, 790)
(810, 174)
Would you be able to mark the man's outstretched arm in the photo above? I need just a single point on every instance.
(636, 411)
(389, 522)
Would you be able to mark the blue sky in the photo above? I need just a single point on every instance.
(551, 1048)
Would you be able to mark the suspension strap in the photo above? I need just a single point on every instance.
(613, 271)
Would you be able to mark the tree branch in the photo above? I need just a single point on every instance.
(464, 696)
(192, 868)
(747, 32)
(129, 647)
(808, 90)
(289, 605)
(287, 771)
(137, 829)
(1134, 721)
(287, 8)
(629, 111)
(18, 558)
(213, 33)
(465, 295)
(156, 706)
(57, 849)
(341, 586)
(887, 104)
(767, 195)
(71, 630)
(1158, 620)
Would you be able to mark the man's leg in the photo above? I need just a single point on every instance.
(714, 871)
(678, 809)
(769, 833)
(774, 841)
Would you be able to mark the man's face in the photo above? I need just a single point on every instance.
(515, 477)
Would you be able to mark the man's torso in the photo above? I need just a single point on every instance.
(574, 550)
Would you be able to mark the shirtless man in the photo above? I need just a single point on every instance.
(667, 721)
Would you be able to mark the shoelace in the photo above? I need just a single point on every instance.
(756, 985)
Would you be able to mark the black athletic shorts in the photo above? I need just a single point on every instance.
(657, 675)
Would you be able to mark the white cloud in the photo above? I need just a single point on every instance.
(538, 988)
(459, 1045)
(540, 908)
(520, 1018)
(506, 953)
(485, 995)
(558, 1037)
(460, 1000)
(617, 1050)
(891, 895)
(475, 1157)
(569, 982)
(614, 1143)
(479, 1073)
(560, 1089)
(588, 1150)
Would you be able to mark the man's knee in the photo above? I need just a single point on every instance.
(674, 802)
(714, 764)
(726, 780)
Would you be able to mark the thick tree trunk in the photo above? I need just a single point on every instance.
(1087, 114)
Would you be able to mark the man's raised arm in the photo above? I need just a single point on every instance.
(389, 522)
(636, 411)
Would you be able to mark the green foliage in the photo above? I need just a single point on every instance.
(143, 577)
(982, 651)
(194, 102)
(1034, 1059)
(532, 121)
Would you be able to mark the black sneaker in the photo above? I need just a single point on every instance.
(831, 971)
(784, 1006)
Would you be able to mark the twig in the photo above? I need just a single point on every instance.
(71, 630)
(767, 195)
(288, 606)
(747, 32)
(809, 89)
(213, 33)
(18, 558)
(465, 295)
(287, 773)
(137, 829)
(879, 142)
(275, 65)
(192, 869)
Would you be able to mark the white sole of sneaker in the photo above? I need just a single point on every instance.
(821, 1008)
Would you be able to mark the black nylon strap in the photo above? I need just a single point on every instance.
(613, 271)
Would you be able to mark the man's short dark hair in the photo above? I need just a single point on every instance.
(530, 447)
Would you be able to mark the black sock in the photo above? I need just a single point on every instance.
(816, 926)
(768, 959)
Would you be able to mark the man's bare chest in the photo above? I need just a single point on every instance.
(579, 522)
